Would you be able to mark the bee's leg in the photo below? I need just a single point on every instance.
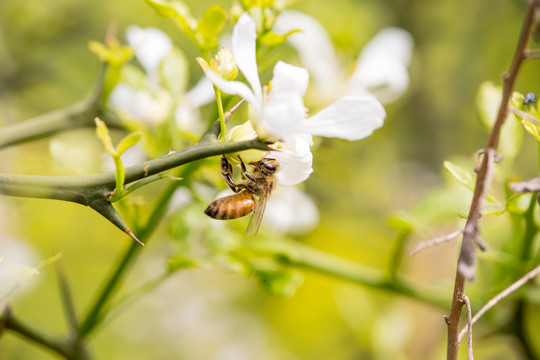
(226, 172)
(244, 170)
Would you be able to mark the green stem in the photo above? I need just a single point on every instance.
(10, 322)
(397, 252)
(304, 257)
(221, 115)
(94, 315)
(531, 229)
(80, 114)
(85, 189)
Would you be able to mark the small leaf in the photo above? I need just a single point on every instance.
(461, 175)
(113, 52)
(280, 283)
(178, 12)
(493, 209)
(274, 39)
(103, 134)
(487, 103)
(531, 128)
(134, 77)
(178, 262)
(211, 25)
(174, 72)
(128, 141)
(467, 178)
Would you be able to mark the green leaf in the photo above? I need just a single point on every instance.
(280, 283)
(178, 262)
(466, 178)
(128, 141)
(174, 72)
(133, 76)
(274, 39)
(103, 134)
(178, 12)
(531, 128)
(211, 25)
(487, 103)
(463, 176)
(112, 52)
(493, 208)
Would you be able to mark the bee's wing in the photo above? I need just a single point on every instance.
(256, 218)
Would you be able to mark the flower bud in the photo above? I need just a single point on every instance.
(242, 133)
(224, 65)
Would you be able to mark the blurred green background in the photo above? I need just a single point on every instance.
(45, 65)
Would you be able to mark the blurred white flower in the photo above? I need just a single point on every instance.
(151, 109)
(291, 211)
(187, 114)
(315, 48)
(280, 113)
(17, 261)
(150, 46)
(153, 104)
(381, 68)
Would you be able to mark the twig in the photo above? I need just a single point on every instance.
(300, 256)
(436, 241)
(532, 54)
(528, 186)
(80, 114)
(491, 303)
(10, 322)
(94, 314)
(524, 115)
(467, 303)
(467, 258)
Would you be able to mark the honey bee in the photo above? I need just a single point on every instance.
(250, 195)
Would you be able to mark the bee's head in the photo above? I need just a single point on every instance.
(268, 166)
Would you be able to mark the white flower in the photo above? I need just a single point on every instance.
(17, 262)
(381, 68)
(151, 109)
(291, 211)
(151, 103)
(150, 45)
(280, 114)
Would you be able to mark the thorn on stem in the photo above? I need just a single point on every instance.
(131, 235)
(446, 319)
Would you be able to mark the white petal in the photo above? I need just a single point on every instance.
(140, 104)
(385, 78)
(244, 51)
(295, 160)
(291, 211)
(350, 118)
(234, 88)
(187, 118)
(314, 46)
(283, 115)
(391, 42)
(17, 261)
(202, 93)
(150, 45)
(289, 78)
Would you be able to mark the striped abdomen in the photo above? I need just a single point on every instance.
(231, 207)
